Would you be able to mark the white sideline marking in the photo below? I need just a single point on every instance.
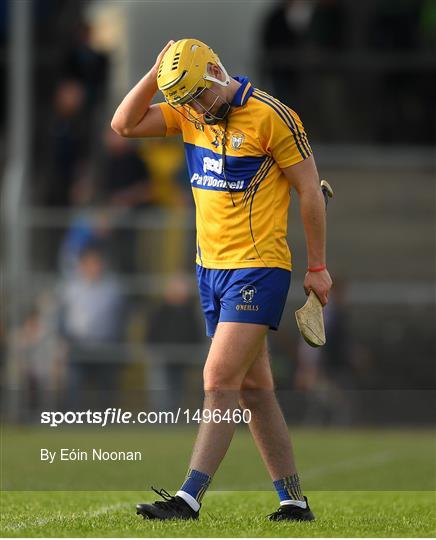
(41, 522)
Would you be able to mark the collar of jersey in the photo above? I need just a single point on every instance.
(243, 92)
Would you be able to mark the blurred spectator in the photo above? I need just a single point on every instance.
(65, 127)
(125, 181)
(124, 185)
(92, 314)
(40, 358)
(87, 227)
(68, 144)
(173, 324)
(83, 63)
(89, 224)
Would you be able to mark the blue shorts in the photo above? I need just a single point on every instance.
(248, 295)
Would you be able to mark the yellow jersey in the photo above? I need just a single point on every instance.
(241, 195)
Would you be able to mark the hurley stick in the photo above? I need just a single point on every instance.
(310, 320)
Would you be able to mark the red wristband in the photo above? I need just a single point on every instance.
(317, 268)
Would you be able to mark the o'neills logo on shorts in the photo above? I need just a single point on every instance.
(247, 292)
(246, 307)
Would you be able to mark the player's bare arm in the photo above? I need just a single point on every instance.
(304, 178)
(135, 117)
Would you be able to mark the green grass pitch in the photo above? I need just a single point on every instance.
(231, 514)
(360, 483)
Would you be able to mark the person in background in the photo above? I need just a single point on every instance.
(92, 315)
(87, 65)
(68, 141)
(88, 223)
(40, 357)
(124, 187)
(123, 176)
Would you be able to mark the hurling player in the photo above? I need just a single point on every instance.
(245, 150)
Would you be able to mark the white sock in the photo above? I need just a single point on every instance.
(189, 499)
(301, 504)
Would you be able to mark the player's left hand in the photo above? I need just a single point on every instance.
(320, 283)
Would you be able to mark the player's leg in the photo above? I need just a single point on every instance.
(271, 435)
(251, 301)
(267, 425)
(234, 348)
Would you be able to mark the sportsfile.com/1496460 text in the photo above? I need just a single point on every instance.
(114, 416)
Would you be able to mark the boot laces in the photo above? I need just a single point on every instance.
(168, 501)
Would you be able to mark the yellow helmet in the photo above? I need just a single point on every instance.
(184, 70)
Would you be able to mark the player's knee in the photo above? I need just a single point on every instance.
(220, 380)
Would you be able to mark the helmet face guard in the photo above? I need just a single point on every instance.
(183, 76)
(202, 114)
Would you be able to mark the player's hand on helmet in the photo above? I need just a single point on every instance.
(161, 54)
(320, 283)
